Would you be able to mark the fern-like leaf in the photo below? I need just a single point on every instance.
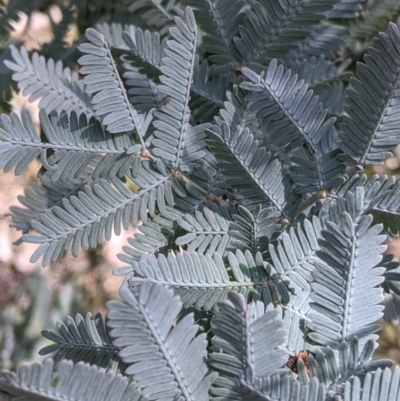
(220, 28)
(75, 144)
(57, 88)
(171, 124)
(247, 165)
(324, 40)
(207, 230)
(253, 231)
(272, 28)
(155, 13)
(203, 280)
(370, 130)
(86, 219)
(155, 236)
(173, 356)
(346, 299)
(67, 381)
(359, 196)
(294, 255)
(38, 198)
(208, 93)
(102, 79)
(346, 9)
(291, 111)
(276, 387)
(143, 92)
(240, 330)
(325, 174)
(82, 339)
(333, 370)
(376, 16)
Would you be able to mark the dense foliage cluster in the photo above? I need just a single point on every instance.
(232, 136)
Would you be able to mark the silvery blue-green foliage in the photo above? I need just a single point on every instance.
(231, 135)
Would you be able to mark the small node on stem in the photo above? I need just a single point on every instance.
(145, 154)
(176, 173)
(210, 196)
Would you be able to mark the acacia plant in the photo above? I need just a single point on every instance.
(231, 136)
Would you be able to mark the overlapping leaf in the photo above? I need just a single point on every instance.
(247, 165)
(219, 19)
(67, 381)
(246, 336)
(165, 361)
(334, 370)
(346, 299)
(272, 28)
(74, 143)
(382, 384)
(102, 80)
(155, 13)
(86, 219)
(156, 235)
(82, 339)
(172, 126)
(203, 280)
(369, 131)
(289, 109)
(276, 387)
(57, 88)
(207, 230)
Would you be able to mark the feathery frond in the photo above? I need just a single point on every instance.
(276, 387)
(141, 325)
(359, 196)
(68, 381)
(171, 124)
(86, 219)
(82, 339)
(207, 93)
(114, 34)
(313, 172)
(346, 9)
(253, 231)
(387, 211)
(147, 50)
(38, 198)
(325, 78)
(207, 230)
(57, 88)
(294, 318)
(272, 28)
(203, 280)
(102, 80)
(378, 385)
(156, 235)
(346, 299)
(155, 13)
(370, 129)
(247, 165)
(294, 255)
(292, 113)
(333, 370)
(220, 28)
(375, 18)
(74, 143)
(324, 40)
(238, 336)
